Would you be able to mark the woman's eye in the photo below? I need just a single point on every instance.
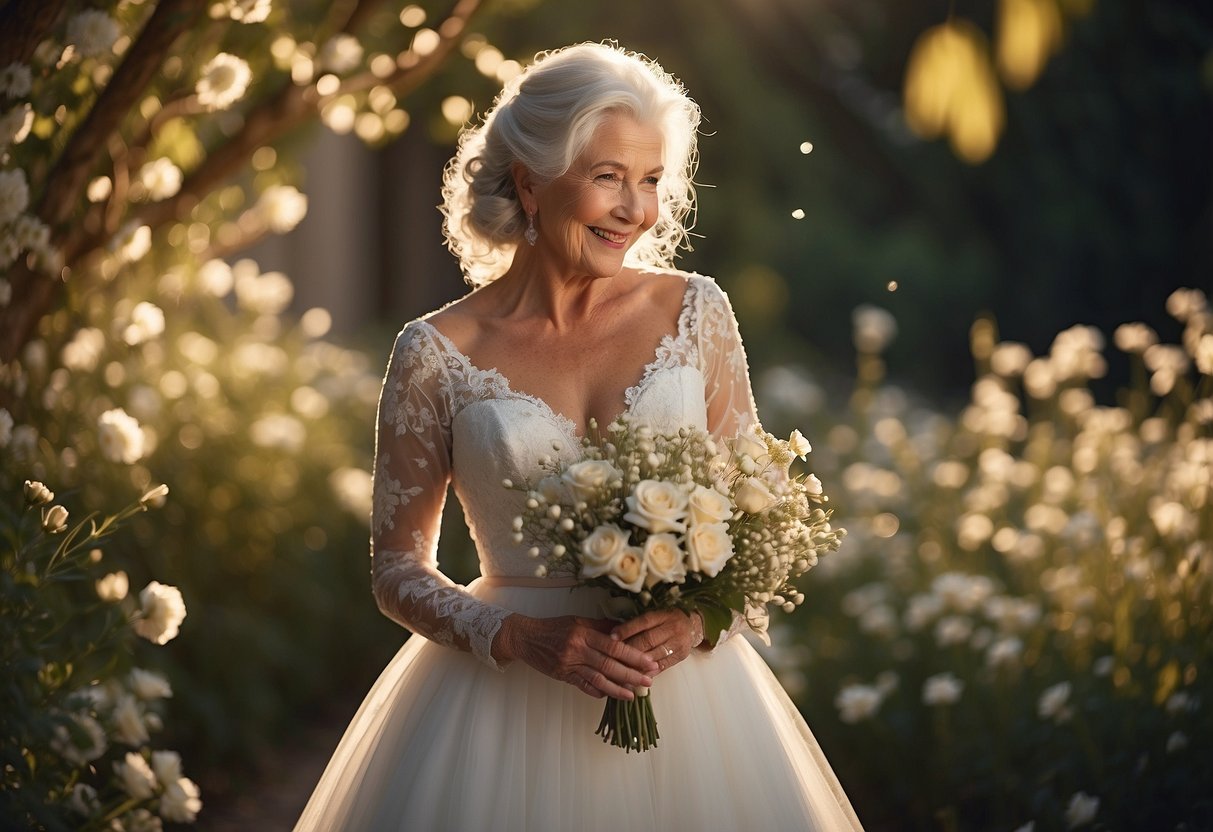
(606, 177)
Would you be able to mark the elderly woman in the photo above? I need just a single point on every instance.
(565, 209)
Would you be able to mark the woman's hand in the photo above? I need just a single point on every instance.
(576, 650)
(666, 636)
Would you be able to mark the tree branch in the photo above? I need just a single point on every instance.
(25, 23)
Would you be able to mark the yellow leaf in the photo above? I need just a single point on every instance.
(1029, 31)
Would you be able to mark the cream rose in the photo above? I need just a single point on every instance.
(798, 445)
(585, 479)
(162, 612)
(628, 572)
(181, 801)
(709, 548)
(128, 722)
(657, 507)
(754, 497)
(707, 505)
(663, 560)
(135, 776)
(749, 445)
(601, 550)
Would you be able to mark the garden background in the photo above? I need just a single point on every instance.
(970, 246)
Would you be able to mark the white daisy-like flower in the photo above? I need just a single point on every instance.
(341, 53)
(146, 323)
(135, 776)
(15, 125)
(14, 194)
(119, 436)
(15, 81)
(181, 801)
(942, 689)
(147, 684)
(93, 33)
(113, 587)
(160, 178)
(282, 207)
(223, 81)
(856, 702)
(162, 611)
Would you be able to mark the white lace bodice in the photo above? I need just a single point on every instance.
(443, 420)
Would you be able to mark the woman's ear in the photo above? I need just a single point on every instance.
(524, 186)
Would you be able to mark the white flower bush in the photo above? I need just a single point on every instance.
(1037, 572)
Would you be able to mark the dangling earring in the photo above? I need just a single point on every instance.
(530, 235)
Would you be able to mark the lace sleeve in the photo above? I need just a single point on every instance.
(726, 375)
(723, 363)
(412, 471)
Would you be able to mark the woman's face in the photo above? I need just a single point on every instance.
(588, 218)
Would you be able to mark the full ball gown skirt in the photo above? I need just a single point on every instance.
(447, 740)
(443, 742)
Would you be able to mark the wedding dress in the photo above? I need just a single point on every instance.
(447, 739)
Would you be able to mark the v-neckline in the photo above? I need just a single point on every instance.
(630, 395)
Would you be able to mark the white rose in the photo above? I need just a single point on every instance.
(707, 505)
(120, 437)
(149, 685)
(180, 801)
(628, 572)
(167, 765)
(163, 610)
(657, 507)
(135, 776)
(709, 548)
(663, 560)
(587, 478)
(113, 587)
(128, 721)
(747, 444)
(799, 445)
(754, 497)
(601, 550)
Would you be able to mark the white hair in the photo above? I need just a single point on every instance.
(544, 118)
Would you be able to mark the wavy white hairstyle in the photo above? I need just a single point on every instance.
(544, 118)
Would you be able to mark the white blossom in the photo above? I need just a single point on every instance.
(223, 82)
(119, 436)
(282, 207)
(941, 689)
(162, 610)
(857, 702)
(180, 801)
(140, 820)
(1053, 703)
(54, 519)
(15, 81)
(1081, 809)
(135, 776)
(8, 252)
(83, 799)
(31, 232)
(264, 294)
(147, 685)
(66, 742)
(128, 721)
(160, 178)
(84, 350)
(113, 587)
(93, 33)
(14, 194)
(146, 323)
(167, 766)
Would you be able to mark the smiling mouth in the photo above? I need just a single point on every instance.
(609, 236)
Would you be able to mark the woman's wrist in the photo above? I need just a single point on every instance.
(697, 635)
(505, 643)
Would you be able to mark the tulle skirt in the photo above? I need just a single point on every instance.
(443, 742)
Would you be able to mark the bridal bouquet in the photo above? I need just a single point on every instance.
(678, 521)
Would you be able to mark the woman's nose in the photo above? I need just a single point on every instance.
(630, 207)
